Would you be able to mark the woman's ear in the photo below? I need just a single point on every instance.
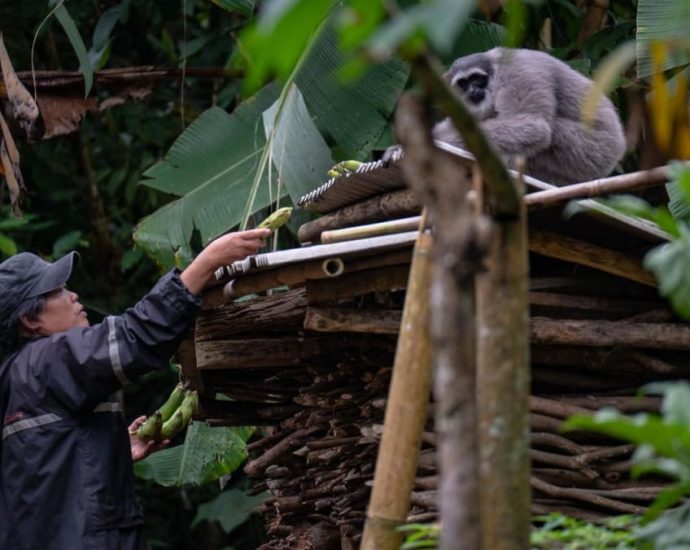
(29, 327)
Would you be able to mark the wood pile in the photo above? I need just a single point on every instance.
(312, 366)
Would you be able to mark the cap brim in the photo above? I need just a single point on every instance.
(56, 275)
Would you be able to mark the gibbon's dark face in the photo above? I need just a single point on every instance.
(471, 75)
(473, 86)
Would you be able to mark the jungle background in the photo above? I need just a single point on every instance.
(169, 167)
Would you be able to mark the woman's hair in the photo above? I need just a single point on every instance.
(11, 336)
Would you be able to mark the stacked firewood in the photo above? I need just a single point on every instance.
(319, 398)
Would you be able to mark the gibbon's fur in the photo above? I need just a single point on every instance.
(529, 103)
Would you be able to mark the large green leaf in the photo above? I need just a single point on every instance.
(75, 39)
(478, 36)
(206, 455)
(439, 20)
(245, 7)
(662, 21)
(222, 163)
(635, 206)
(230, 508)
(211, 166)
(298, 151)
(670, 531)
(679, 191)
(668, 439)
(669, 263)
(354, 112)
(275, 43)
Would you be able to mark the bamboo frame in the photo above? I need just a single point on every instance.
(406, 411)
(596, 188)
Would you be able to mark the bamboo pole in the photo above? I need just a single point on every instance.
(370, 230)
(503, 384)
(596, 188)
(299, 274)
(406, 411)
(389, 205)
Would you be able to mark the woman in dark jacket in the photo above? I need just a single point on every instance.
(66, 479)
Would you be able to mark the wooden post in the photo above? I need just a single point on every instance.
(406, 411)
(444, 184)
(503, 388)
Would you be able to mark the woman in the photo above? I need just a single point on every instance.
(66, 479)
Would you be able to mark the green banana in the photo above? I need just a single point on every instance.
(277, 219)
(189, 406)
(168, 408)
(151, 428)
(344, 167)
(173, 416)
(351, 165)
(172, 426)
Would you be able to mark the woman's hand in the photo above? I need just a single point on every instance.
(223, 251)
(142, 449)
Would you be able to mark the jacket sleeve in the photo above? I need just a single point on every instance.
(79, 368)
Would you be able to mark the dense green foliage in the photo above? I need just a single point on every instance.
(663, 447)
(552, 532)
(211, 152)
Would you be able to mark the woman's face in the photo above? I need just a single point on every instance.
(61, 311)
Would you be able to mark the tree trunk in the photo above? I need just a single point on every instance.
(444, 184)
(503, 384)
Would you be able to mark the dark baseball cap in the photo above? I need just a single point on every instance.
(25, 275)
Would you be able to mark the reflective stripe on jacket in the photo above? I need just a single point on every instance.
(66, 479)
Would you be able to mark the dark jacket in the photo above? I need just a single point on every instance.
(66, 479)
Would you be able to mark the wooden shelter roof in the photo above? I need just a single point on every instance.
(373, 178)
(593, 230)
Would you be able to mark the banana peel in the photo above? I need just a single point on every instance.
(277, 219)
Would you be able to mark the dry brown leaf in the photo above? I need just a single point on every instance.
(24, 108)
(11, 168)
(13, 184)
(9, 140)
(60, 97)
(62, 115)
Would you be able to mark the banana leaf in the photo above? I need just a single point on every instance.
(77, 42)
(245, 7)
(211, 166)
(221, 167)
(662, 21)
(230, 509)
(206, 455)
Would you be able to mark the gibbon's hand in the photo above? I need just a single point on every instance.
(223, 251)
(142, 449)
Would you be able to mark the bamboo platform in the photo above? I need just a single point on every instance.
(311, 366)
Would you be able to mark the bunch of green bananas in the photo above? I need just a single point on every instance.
(277, 219)
(344, 167)
(172, 417)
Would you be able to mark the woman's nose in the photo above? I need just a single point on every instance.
(73, 296)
